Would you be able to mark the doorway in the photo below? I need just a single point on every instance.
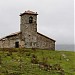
(16, 44)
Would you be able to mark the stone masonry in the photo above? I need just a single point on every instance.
(28, 37)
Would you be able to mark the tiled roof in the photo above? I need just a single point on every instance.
(13, 34)
(45, 36)
(29, 12)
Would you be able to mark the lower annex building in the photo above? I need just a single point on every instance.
(28, 37)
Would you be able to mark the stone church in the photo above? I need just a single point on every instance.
(28, 37)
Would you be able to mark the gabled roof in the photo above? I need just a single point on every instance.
(46, 36)
(13, 34)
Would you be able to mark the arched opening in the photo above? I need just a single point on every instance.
(30, 19)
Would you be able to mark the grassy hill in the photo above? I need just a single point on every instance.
(36, 62)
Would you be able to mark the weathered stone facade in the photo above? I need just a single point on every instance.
(28, 37)
(45, 42)
(9, 41)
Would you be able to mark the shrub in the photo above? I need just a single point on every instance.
(45, 66)
(57, 67)
(34, 59)
(34, 49)
(9, 53)
(45, 60)
(28, 54)
(34, 56)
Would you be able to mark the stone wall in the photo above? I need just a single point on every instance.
(29, 30)
(44, 42)
(9, 42)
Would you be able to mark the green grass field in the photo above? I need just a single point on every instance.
(36, 62)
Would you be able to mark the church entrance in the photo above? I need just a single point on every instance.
(16, 44)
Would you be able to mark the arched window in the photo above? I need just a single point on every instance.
(30, 19)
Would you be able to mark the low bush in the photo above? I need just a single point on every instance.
(28, 54)
(34, 59)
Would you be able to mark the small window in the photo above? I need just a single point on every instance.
(30, 19)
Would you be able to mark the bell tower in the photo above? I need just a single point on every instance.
(28, 27)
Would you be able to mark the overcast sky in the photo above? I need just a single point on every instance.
(55, 19)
